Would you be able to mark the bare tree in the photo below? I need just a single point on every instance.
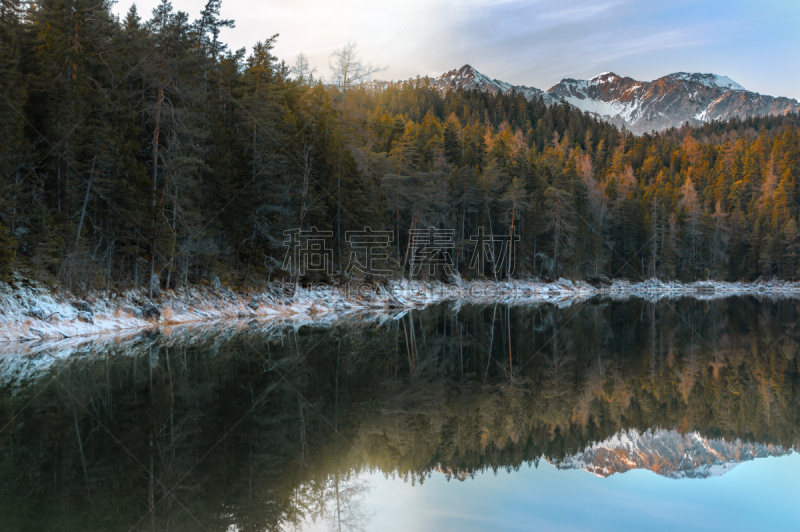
(302, 69)
(348, 70)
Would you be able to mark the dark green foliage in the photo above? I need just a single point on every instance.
(131, 147)
(452, 147)
(8, 250)
(718, 202)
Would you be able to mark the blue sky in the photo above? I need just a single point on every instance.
(760, 495)
(535, 43)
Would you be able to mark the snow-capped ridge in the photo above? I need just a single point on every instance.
(710, 80)
(468, 78)
(667, 453)
(638, 106)
(605, 76)
(669, 101)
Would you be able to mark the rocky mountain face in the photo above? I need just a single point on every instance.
(466, 78)
(667, 453)
(639, 106)
(670, 101)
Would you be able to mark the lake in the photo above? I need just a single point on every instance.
(676, 414)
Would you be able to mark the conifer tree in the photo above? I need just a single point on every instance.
(452, 143)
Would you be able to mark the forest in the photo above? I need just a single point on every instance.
(143, 152)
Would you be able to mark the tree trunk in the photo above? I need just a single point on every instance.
(491, 342)
(511, 240)
(558, 236)
(85, 202)
(508, 324)
(408, 246)
(156, 133)
(655, 240)
(491, 232)
(255, 131)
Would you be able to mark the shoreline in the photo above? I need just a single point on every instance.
(30, 312)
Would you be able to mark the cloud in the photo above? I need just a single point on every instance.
(577, 12)
(599, 52)
(663, 40)
(531, 42)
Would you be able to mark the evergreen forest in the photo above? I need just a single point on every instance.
(142, 150)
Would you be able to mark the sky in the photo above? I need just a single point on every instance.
(755, 496)
(536, 42)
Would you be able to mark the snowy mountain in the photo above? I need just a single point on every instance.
(644, 106)
(667, 453)
(466, 78)
(639, 106)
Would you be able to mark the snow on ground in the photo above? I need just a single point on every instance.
(630, 111)
(31, 312)
(39, 328)
(22, 363)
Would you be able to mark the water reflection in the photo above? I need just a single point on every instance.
(281, 428)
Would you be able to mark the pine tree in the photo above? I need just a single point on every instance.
(452, 143)
(791, 245)
(8, 250)
(560, 216)
(13, 95)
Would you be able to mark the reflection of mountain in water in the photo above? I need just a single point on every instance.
(449, 473)
(275, 425)
(668, 453)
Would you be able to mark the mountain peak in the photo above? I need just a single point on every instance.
(605, 77)
(639, 106)
(668, 453)
(709, 80)
(466, 72)
(669, 101)
(468, 78)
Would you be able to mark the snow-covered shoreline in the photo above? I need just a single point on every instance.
(29, 311)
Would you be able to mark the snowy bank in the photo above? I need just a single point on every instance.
(29, 311)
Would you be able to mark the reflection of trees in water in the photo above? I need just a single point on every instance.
(266, 431)
(340, 501)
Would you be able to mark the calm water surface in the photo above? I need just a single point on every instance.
(603, 415)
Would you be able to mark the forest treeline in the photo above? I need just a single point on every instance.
(146, 152)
